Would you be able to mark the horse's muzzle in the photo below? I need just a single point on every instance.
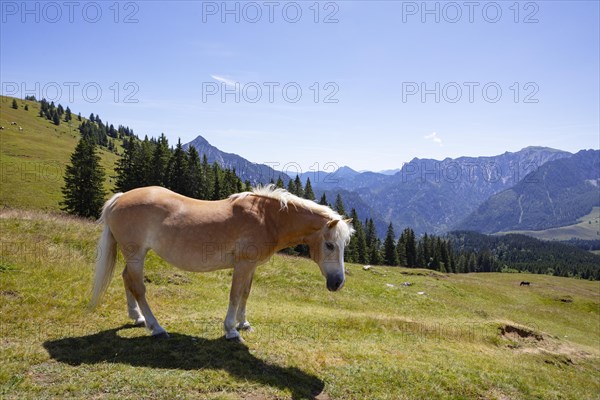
(335, 282)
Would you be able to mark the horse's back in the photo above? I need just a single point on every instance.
(184, 231)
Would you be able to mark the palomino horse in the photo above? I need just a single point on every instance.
(240, 232)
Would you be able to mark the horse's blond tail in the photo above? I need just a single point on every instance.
(107, 256)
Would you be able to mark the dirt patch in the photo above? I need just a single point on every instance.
(551, 350)
(519, 333)
(11, 294)
(178, 279)
(432, 274)
(564, 299)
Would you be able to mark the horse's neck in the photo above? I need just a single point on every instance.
(295, 224)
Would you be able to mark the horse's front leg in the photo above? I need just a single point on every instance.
(242, 278)
(242, 322)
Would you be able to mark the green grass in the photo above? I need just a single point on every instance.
(586, 228)
(469, 336)
(33, 161)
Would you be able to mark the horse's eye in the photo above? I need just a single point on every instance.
(329, 246)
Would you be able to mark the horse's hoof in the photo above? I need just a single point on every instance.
(235, 339)
(162, 335)
(234, 336)
(245, 327)
(139, 322)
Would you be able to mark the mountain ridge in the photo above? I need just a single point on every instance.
(555, 195)
(245, 169)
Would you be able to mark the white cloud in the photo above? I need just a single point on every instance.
(434, 138)
(222, 79)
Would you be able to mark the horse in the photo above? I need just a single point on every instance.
(240, 232)
(525, 283)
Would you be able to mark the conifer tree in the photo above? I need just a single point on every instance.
(160, 160)
(411, 248)
(357, 246)
(420, 255)
(26, 107)
(206, 191)
(375, 253)
(83, 191)
(401, 249)
(298, 185)
(323, 200)
(56, 118)
(143, 162)
(279, 183)
(68, 115)
(291, 187)
(125, 168)
(308, 190)
(216, 191)
(370, 240)
(177, 178)
(339, 205)
(196, 178)
(351, 250)
(390, 256)
(14, 104)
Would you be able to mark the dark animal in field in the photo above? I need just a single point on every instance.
(525, 283)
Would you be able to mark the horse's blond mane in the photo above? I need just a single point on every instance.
(343, 229)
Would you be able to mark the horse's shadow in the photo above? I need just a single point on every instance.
(182, 352)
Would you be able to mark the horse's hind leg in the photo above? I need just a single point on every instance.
(134, 282)
(240, 287)
(133, 308)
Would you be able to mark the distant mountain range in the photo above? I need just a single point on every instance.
(534, 188)
(556, 194)
(435, 196)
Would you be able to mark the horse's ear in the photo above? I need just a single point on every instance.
(332, 223)
(348, 221)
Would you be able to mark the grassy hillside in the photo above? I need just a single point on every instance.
(586, 228)
(474, 336)
(33, 161)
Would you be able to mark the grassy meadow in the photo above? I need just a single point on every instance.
(469, 336)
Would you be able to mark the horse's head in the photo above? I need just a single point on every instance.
(327, 250)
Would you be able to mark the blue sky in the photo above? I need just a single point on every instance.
(369, 84)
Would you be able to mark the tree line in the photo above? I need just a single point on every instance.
(93, 128)
(151, 162)
(515, 253)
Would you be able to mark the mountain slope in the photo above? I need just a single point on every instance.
(33, 160)
(246, 170)
(557, 194)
